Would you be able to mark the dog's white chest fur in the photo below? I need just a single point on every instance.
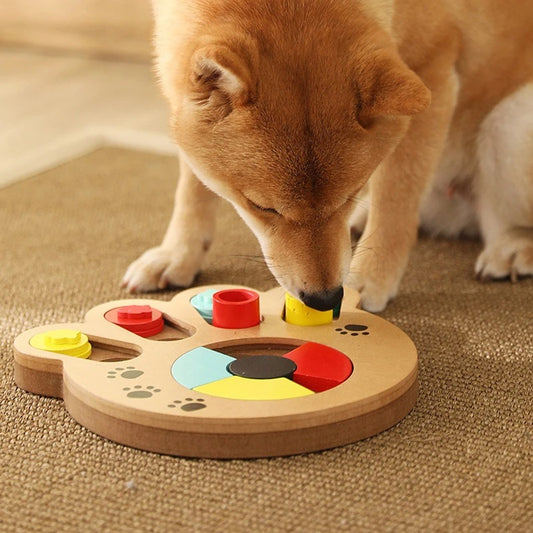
(484, 173)
(448, 207)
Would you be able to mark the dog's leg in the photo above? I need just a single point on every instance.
(504, 186)
(188, 237)
(360, 212)
(396, 190)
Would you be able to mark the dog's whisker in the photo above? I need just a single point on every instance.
(259, 260)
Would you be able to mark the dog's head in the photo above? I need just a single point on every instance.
(287, 116)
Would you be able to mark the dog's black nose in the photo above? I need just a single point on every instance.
(323, 300)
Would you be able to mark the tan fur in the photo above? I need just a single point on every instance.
(287, 108)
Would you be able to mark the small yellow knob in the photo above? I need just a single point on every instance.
(62, 337)
(299, 314)
(63, 341)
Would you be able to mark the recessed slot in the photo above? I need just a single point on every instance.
(104, 352)
(173, 330)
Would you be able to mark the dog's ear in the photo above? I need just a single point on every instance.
(220, 79)
(386, 86)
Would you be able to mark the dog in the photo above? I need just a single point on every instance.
(315, 117)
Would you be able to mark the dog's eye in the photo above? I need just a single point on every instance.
(263, 209)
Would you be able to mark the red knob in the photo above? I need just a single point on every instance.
(140, 319)
(236, 309)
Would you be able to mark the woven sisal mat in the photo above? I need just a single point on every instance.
(462, 461)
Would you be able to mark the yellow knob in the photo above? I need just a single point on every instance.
(63, 341)
(62, 337)
(299, 314)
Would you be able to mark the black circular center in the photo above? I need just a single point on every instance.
(262, 367)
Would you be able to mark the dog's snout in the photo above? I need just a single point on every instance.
(323, 300)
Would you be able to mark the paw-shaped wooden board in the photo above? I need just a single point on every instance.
(171, 378)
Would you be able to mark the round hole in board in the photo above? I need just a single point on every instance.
(255, 346)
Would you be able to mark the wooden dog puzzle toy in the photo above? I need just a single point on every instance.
(225, 372)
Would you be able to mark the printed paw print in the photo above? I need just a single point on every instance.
(189, 405)
(130, 372)
(141, 392)
(353, 330)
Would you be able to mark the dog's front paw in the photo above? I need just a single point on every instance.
(159, 268)
(374, 297)
(375, 286)
(509, 257)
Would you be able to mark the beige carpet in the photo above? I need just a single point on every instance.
(462, 461)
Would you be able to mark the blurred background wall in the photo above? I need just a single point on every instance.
(114, 29)
(76, 75)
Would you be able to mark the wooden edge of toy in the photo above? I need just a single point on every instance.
(37, 371)
(40, 382)
(242, 445)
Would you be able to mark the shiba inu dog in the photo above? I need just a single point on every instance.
(316, 116)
